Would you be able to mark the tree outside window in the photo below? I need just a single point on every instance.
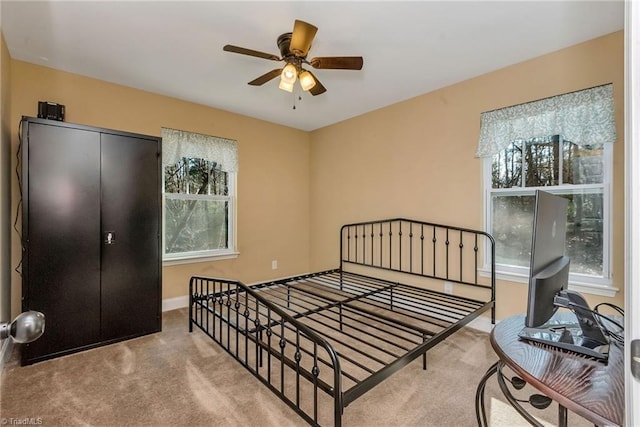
(198, 207)
(563, 168)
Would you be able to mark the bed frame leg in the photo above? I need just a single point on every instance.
(191, 305)
(424, 355)
(261, 348)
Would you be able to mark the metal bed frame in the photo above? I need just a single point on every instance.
(343, 332)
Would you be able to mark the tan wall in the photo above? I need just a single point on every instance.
(413, 159)
(5, 179)
(273, 181)
(416, 159)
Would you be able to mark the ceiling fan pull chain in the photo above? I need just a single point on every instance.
(296, 94)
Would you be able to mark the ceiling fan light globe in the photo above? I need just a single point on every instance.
(306, 80)
(288, 86)
(288, 73)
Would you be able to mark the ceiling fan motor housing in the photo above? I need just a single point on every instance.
(284, 42)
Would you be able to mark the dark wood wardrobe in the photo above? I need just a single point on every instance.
(91, 233)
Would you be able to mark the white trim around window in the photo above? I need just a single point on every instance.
(597, 285)
(213, 255)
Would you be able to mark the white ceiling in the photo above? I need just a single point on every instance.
(174, 48)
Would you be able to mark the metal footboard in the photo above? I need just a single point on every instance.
(288, 357)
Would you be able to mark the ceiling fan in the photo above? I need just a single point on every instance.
(294, 48)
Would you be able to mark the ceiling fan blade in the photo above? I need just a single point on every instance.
(337, 62)
(250, 52)
(303, 34)
(265, 77)
(318, 88)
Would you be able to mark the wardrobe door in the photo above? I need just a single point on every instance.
(131, 217)
(62, 236)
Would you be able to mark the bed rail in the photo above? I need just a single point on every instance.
(287, 356)
(424, 249)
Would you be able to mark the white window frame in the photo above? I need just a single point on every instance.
(210, 255)
(598, 285)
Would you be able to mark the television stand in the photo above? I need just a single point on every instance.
(556, 336)
(582, 336)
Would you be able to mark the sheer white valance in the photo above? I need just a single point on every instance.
(177, 144)
(582, 117)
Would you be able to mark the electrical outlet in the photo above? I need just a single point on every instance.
(274, 264)
(448, 288)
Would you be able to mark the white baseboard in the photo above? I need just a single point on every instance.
(481, 324)
(175, 303)
(6, 347)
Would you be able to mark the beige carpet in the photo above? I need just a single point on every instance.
(181, 378)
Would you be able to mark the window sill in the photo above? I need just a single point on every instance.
(203, 258)
(602, 287)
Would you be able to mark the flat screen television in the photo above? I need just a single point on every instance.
(548, 283)
(549, 267)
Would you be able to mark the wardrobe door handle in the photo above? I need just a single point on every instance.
(109, 237)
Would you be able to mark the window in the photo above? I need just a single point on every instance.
(579, 173)
(198, 196)
(196, 208)
(561, 145)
